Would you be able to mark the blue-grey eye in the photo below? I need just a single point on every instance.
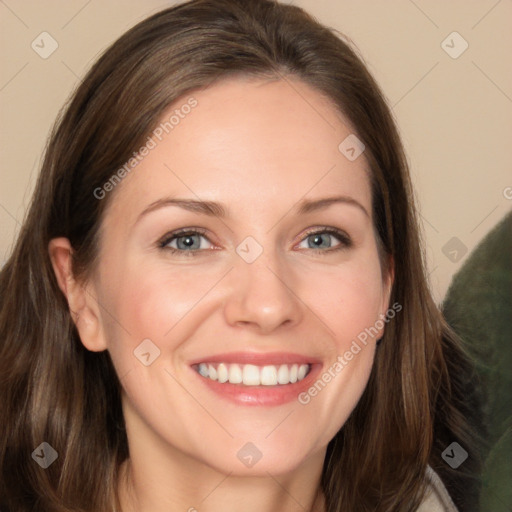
(189, 242)
(324, 240)
(185, 242)
(319, 240)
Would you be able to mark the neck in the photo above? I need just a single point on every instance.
(182, 484)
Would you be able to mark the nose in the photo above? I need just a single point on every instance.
(262, 295)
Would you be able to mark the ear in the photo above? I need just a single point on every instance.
(82, 303)
(388, 279)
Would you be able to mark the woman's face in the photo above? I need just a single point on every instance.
(271, 285)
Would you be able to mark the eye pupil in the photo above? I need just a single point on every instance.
(186, 241)
(318, 239)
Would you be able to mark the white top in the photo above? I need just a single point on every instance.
(436, 498)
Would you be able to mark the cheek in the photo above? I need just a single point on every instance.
(349, 301)
(148, 301)
(348, 298)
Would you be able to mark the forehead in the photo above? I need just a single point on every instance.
(247, 142)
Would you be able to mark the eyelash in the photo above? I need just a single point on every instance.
(345, 241)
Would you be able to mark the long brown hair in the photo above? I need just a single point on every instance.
(52, 389)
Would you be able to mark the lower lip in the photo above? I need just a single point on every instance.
(261, 395)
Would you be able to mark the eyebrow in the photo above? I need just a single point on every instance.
(214, 209)
(308, 206)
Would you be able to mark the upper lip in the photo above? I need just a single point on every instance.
(257, 358)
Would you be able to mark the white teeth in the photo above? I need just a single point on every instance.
(269, 376)
(283, 375)
(235, 374)
(212, 372)
(203, 370)
(293, 373)
(252, 375)
(303, 369)
(222, 373)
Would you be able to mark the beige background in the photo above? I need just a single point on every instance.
(454, 113)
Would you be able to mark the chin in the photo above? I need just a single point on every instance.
(259, 458)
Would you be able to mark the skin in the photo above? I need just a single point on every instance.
(258, 147)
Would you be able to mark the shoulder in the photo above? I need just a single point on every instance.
(436, 497)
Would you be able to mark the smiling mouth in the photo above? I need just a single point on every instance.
(253, 375)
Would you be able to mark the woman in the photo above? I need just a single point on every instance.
(218, 299)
